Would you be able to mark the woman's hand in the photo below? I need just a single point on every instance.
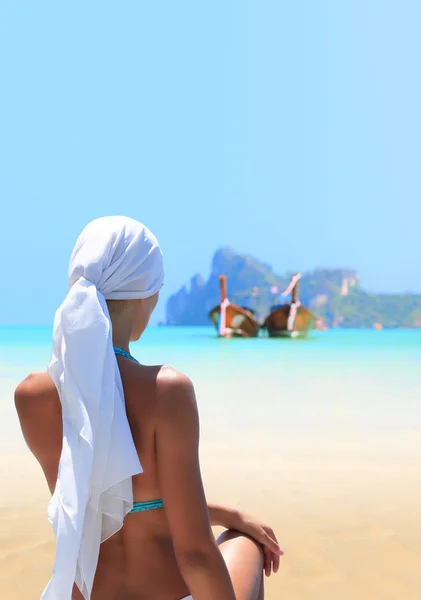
(262, 534)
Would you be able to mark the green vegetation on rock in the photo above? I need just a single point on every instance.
(334, 295)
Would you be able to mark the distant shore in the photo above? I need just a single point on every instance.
(335, 296)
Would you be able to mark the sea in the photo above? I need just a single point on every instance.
(337, 382)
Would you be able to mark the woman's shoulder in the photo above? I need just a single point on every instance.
(35, 386)
(37, 402)
(170, 378)
(175, 391)
(162, 385)
(164, 377)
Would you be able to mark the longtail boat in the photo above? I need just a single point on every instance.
(231, 320)
(291, 319)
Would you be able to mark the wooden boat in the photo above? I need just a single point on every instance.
(231, 320)
(292, 319)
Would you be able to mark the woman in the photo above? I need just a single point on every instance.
(107, 430)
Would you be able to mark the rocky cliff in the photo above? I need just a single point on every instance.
(334, 295)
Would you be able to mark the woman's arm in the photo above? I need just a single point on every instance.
(222, 516)
(39, 411)
(177, 437)
(231, 518)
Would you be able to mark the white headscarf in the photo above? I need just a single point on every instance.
(114, 258)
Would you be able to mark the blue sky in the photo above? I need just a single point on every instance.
(288, 130)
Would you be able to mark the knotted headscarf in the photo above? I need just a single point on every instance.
(115, 258)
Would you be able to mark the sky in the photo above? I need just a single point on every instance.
(286, 130)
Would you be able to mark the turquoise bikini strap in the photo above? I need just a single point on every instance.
(122, 352)
(150, 505)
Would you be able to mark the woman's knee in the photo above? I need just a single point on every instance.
(244, 559)
(241, 543)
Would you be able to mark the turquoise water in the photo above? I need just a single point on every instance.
(387, 352)
(344, 381)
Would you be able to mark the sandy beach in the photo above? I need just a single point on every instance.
(345, 511)
(322, 441)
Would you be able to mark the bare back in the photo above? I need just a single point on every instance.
(138, 562)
